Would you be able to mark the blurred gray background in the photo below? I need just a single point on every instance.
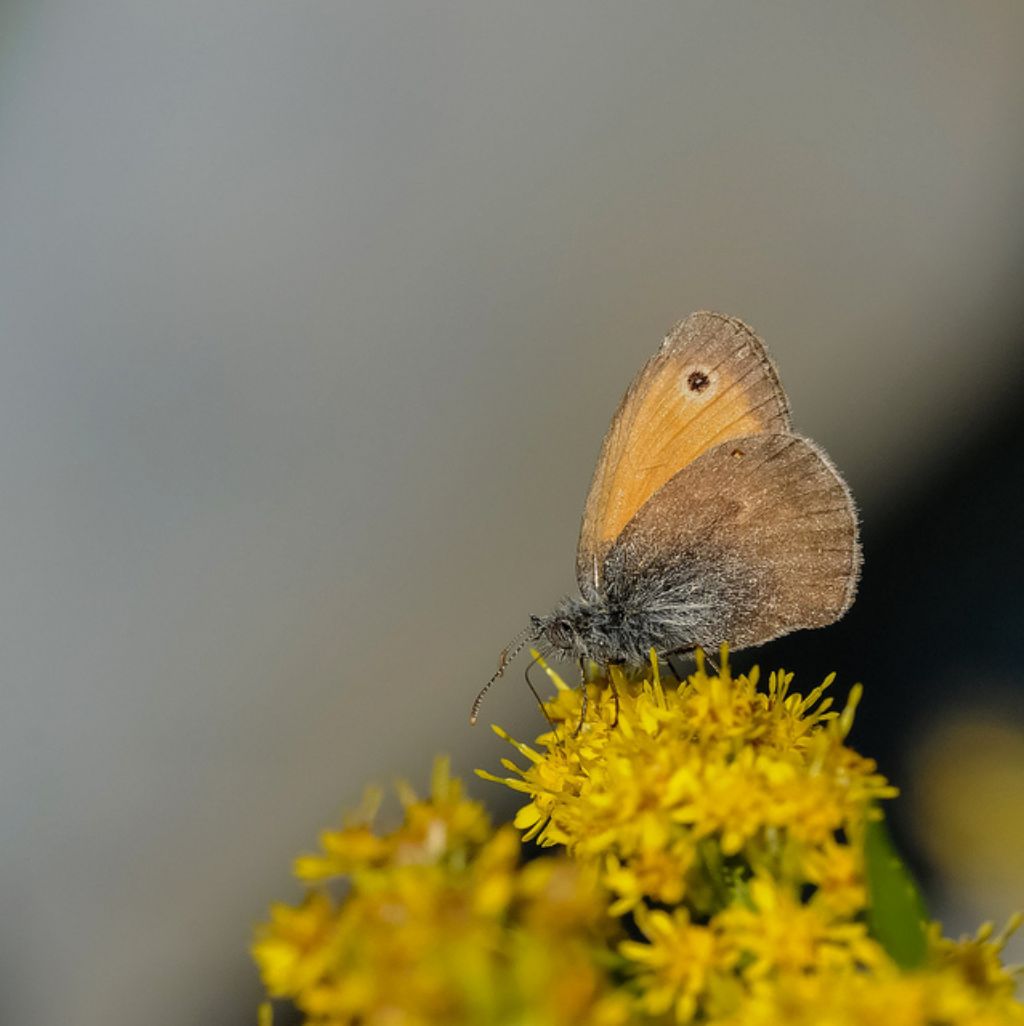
(312, 317)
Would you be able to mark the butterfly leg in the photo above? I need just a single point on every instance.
(529, 683)
(615, 696)
(672, 658)
(711, 662)
(583, 709)
(689, 650)
(675, 665)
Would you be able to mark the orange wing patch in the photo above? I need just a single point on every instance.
(711, 381)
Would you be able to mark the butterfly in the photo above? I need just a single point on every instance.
(708, 520)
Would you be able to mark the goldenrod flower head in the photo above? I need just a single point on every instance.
(924, 998)
(778, 934)
(440, 924)
(731, 820)
(679, 963)
(977, 960)
(725, 862)
(664, 775)
(443, 826)
(694, 968)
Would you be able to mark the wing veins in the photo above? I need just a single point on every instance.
(683, 428)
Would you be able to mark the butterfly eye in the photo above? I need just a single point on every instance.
(697, 381)
(560, 632)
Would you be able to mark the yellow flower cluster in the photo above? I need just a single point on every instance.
(668, 787)
(729, 821)
(721, 865)
(944, 993)
(438, 922)
(771, 960)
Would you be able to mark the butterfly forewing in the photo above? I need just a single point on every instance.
(767, 527)
(711, 381)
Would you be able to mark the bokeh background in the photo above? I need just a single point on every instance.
(312, 317)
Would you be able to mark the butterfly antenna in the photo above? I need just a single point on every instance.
(508, 653)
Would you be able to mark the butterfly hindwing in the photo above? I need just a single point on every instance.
(710, 381)
(765, 529)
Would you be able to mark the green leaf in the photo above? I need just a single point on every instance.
(897, 916)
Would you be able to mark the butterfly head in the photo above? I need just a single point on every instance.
(561, 630)
(581, 628)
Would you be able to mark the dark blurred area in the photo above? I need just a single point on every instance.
(936, 637)
(312, 319)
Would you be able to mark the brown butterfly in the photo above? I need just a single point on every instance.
(708, 520)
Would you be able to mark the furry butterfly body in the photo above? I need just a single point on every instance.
(753, 540)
